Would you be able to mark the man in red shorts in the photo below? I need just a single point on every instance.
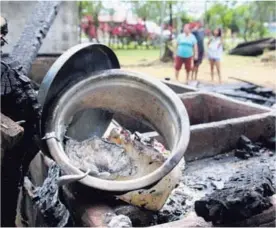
(186, 52)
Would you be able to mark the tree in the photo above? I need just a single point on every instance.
(148, 10)
(219, 15)
(250, 18)
(262, 12)
(243, 20)
(91, 8)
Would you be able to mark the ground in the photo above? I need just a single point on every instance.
(247, 68)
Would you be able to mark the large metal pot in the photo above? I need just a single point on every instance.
(75, 64)
(142, 97)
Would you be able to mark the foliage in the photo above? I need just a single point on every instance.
(247, 19)
(262, 12)
(146, 9)
(244, 21)
(185, 18)
(91, 8)
(219, 15)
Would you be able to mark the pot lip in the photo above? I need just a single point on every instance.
(55, 77)
(56, 150)
(61, 62)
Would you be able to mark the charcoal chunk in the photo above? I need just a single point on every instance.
(244, 195)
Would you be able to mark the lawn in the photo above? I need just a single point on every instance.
(247, 68)
(136, 56)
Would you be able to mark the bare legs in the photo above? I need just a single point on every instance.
(194, 73)
(188, 67)
(217, 64)
(213, 64)
(187, 76)
(177, 75)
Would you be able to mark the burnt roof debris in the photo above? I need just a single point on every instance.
(244, 91)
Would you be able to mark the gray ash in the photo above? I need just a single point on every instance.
(104, 159)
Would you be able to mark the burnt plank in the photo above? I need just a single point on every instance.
(247, 193)
(36, 28)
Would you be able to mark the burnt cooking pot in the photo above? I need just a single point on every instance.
(74, 65)
(142, 97)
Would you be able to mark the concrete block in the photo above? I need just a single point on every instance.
(201, 142)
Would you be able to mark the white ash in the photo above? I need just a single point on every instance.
(120, 221)
(104, 159)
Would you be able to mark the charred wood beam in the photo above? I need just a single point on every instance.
(241, 80)
(246, 194)
(19, 103)
(46, 199)
(39, 23)
(264, 219)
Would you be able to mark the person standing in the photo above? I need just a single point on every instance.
(215, 51)
(186, 52)
(198, 32)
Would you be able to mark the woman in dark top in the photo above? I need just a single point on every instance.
(198, 32)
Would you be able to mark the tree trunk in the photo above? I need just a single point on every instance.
(171, 20)
(80, 18)
(168, 54)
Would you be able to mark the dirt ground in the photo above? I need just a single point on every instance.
(246, 68)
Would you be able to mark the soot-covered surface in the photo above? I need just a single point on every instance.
(204, 177)
(46, 199)
(246, 194)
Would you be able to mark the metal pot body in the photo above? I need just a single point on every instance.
(139, 96)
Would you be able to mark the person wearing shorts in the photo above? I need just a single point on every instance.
(198, 32)
(186, 52)
(215, 51)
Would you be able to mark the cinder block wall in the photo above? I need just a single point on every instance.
(206, 107)
(62, 35)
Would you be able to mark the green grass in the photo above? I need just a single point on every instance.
(136, 56)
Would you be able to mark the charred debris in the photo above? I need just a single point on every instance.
(236, 197)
